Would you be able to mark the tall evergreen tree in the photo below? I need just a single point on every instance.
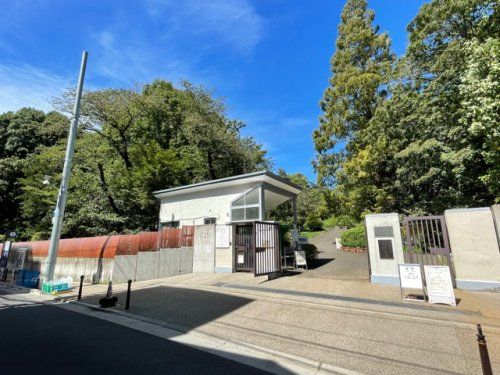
(433, 143)
(361, 67)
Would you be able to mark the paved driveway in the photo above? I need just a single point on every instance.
(336, 264)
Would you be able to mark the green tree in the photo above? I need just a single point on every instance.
(22, 134)
(361, 68)
(130, 144)
(432, 143)
(310, 201)
(480, 107)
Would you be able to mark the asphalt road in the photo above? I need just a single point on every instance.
(43, 339)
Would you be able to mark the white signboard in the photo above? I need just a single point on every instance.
(300, 258)
(410, 276)
(222, 236)
(439, 285)
(19, 259)
(241, 258)
(338, 245)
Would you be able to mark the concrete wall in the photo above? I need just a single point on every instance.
(384, 271)
(147, 265)
(204, 248)
(474, 247)
(95, 270)
(152, 265)
(192, 208)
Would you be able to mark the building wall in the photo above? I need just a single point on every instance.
(224, 260)
(474, 247)
(191, 209)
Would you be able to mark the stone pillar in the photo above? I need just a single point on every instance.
(385, 247)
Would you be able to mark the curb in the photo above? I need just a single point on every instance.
(9, 287)
(260, 357)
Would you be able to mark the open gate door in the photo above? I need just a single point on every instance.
(267, 248)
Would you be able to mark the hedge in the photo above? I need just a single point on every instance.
(354, 237)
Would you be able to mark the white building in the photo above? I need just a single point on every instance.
(237, 205)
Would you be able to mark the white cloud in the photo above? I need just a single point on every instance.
(173, 39)
(28, 86)
(230, 23)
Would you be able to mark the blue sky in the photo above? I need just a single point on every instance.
(268, 58)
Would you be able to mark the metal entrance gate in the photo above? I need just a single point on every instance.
(257, 248)
(244, 247)
(427, 241)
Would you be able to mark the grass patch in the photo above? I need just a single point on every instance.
(309, 234)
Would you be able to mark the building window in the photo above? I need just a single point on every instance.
(171, 224)
(247, 206)
(209, 220)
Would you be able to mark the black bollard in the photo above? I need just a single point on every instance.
(80, 289)
(127, 303)
(483, 352)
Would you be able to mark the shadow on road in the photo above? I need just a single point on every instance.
(187, 308)
(58, 341)
(316, 263)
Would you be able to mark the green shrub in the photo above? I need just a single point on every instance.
(310, 250)
(313, 223)
(354, 237)
(339, 221)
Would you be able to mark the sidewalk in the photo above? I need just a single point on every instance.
(365, 336)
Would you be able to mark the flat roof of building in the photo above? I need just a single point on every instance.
(260, 176)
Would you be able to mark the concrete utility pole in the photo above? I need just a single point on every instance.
(58, 216)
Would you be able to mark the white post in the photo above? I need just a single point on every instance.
(58, 216)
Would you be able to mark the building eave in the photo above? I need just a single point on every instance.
(227, 181)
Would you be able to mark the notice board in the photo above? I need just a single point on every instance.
(439, 285)
(410, 276)
(222, 235)
(300, 258)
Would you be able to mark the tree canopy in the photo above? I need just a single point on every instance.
(130, 143)
(429, 139)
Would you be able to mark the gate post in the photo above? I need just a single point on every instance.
(385, 247)
(408, 239)
(254, 245)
